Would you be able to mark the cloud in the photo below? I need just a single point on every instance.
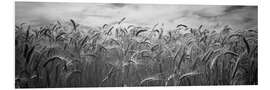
(97, 14)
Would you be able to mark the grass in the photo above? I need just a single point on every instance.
(62, 55)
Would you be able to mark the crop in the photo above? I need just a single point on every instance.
(113, 55)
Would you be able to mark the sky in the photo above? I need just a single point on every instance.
(98, 14)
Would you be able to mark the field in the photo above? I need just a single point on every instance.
(113, 55)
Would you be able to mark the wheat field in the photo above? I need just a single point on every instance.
(109, 56)
(62, 54)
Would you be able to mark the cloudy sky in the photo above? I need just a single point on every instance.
(97, 14)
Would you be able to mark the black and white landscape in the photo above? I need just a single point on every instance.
(130, 45)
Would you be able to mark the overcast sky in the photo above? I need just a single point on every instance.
(93, 14)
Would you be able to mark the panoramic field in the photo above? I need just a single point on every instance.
(67, 53)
